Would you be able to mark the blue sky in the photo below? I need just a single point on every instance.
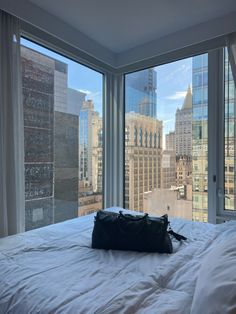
(173, 80)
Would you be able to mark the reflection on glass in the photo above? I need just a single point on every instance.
(63, 137)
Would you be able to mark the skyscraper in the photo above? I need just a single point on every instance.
(200, 137)
(90, 159)
(183, 127)
(75, 100)
(183, 142)
(169, 162)
(51, 142)
(38, 103)
(229, 156)
(143, 138)
(168, 169)
(170, 141)
(141, 94)
(85, 142)
(143, 155)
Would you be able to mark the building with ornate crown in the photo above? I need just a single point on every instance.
(183, 145)
(143, 155)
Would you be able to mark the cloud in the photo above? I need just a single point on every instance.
(95, 94)
(177, 71)
(168, 121)
(90, 94)
(85, 91)
(177, 95)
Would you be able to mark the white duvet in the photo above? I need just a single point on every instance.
(54, 270)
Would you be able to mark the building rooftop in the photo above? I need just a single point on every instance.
(188, 99)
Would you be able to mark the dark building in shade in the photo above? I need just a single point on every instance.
(66, 166)
(51, 142)
(38, 102)
(141, 94)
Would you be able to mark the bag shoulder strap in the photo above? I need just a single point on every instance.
(177, 236)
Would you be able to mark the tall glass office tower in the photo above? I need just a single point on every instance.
(229, 136)
(141, 95)
(200, 137)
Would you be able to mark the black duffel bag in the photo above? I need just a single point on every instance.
(120, 231)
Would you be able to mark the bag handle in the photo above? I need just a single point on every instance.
(133, 218)
(126, 231)
(177, 236)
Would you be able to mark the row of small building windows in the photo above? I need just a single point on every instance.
(150, 140)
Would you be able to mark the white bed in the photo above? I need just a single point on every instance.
(54, 270)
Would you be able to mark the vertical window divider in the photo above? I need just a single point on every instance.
(215, 134)
(114, 140)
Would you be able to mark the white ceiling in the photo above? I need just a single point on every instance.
(120, 25)
(114, 34)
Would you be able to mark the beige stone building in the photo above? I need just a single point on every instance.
(200, 170)
(183, 141)
(170, 141)
(160, 202)
(168, 169)
(169, 162)
(183, 170)
(143, 156)
(96, 130)
(89, 204)
(183, 127)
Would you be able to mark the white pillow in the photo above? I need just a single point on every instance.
(215, 291)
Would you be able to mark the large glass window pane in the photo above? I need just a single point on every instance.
(229, 138)
(63, 136)
(166, 116)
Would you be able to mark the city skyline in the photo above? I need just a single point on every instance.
(80, 77)
(165, 102)
(172, 82)
(57, 150)
(159, 177)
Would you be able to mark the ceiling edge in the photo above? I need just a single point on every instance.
(52, 25)
(178, 40)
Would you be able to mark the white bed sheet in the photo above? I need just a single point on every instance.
(54, 270)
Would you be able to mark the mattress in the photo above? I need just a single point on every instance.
(55, 270)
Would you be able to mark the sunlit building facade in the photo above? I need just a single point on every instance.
(90, 159)
(183, 145)
(168, 168)
(170, 141)
(183, 127)
(143, 155)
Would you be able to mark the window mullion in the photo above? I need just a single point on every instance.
(215, 133)
(114, 140)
